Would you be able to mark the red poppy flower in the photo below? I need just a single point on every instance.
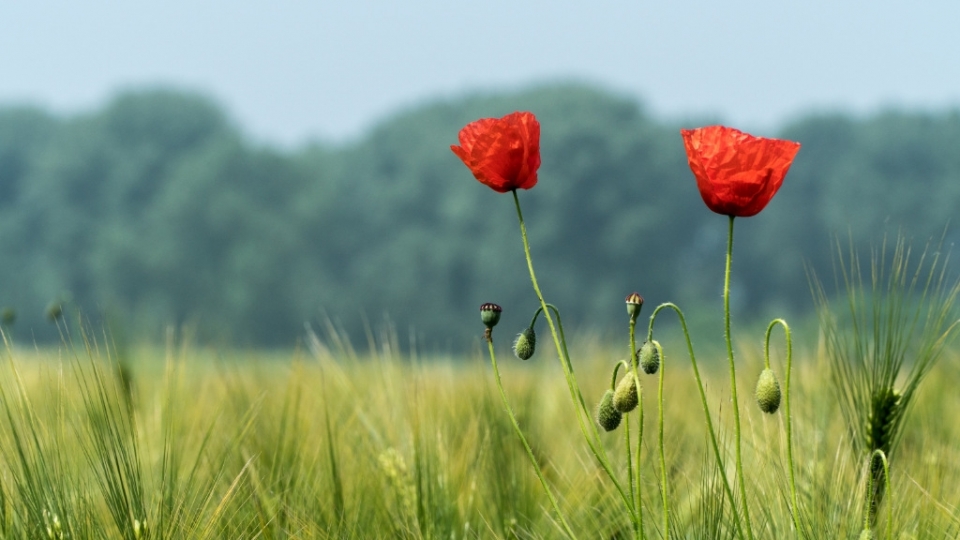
(737, 173)
(503, 153)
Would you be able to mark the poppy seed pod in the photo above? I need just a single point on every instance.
(525, 344)
(634, 304)
(607, 415)
(649, 355)
(768, 392)
(625, 399)
(490, 314)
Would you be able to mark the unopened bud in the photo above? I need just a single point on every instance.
(649, 355)
(607, 415)
(634, 303)
(625, 399)
(525, 344)
(768, 392)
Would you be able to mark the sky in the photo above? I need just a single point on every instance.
(291, 71)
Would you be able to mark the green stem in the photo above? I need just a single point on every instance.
(703, 401)
(526, 445)
(733, 380)
(593, 436)
(795, 509)
(872, 510)
(663, 458)
(637, 496)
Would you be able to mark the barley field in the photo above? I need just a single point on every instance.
(183, 441)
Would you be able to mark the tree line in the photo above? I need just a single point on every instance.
(157, 210)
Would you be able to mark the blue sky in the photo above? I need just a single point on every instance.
(288, 71)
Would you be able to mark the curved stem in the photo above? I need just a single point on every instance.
(733, 380)
(703, 401)
(593, 436)
(536, 314)
(526, 445)
(795, 509)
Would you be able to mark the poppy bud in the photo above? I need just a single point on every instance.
(607, 415)
(8, 316)
(634, 303)
(867, 534)
(625, 399)
(768, 392)
(490, 314)
(649, 355)
(525, 344)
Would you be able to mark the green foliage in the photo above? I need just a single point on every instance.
(331, 445)
(156, 210)
(895, 328)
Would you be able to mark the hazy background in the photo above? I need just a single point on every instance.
(245, 168)
(289, 71)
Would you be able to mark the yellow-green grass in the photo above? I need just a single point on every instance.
(326, 443)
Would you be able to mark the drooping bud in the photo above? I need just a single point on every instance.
(625, 399)
(649, 356)
(607, 415)
(525, 344)
(867, 534)
(768, 392)
(634, 303)
(490, 314)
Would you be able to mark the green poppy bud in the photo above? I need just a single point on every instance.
(649, 355)
(8, 316)
(490, 314)
(768, 392)
(625, 399)
(634, 303)
(867, 534)
(525, 344)
(607, 415)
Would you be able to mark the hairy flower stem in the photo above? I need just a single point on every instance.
(703, 401)
(794, 509)
(733, 380)
(635, 483)
(663, 459)
(526, 445)
(559, 340)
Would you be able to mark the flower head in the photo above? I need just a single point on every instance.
(503, 153)
(737, 173)
(490, 314)
(634, 303)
